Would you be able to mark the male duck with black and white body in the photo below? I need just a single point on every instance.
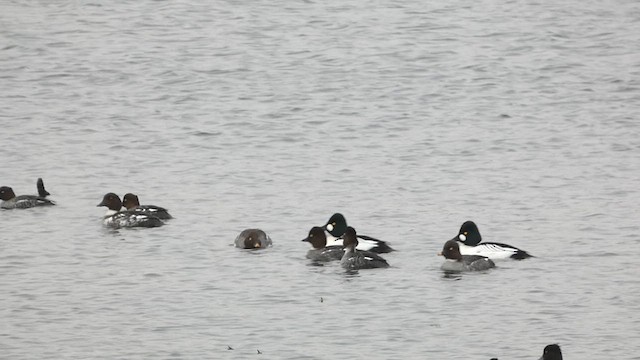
(455, 261)
(253, 239)
(354, 259)
(321, 252)
(469, 240)
(11, 201)
(132, 203)
(115, 218)
(336, 227)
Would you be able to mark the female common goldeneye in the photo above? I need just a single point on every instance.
(469, 239)
(253, 239)
(336, 227)
(11, 201)
(118, 219)
(358, 259)
(455, 261)
(551, 352)
(130, 202)
(320, 251)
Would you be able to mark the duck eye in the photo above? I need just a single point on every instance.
(466, 233)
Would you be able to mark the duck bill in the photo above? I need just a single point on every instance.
(101, 204)
(305, 239)
(440, 254)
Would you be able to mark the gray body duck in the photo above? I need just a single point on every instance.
(321, 252)
(11, 201)
(354, 259)
(455, 261)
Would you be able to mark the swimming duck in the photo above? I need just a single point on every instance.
(469, 240)
(455, 261)
(354, 259)
(253, 239)
(337, 225)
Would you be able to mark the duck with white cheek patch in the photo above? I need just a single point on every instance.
(469, 241)
(336, 227)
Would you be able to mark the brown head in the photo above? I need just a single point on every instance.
(350, 238)
(111, 201)
(451, 250)
(130, 201)
(253, 239)
(316, 237)
(6, 193)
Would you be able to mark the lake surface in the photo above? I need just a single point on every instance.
(408, 117)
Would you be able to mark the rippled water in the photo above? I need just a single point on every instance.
(408, 117)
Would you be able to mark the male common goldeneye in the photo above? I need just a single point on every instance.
(11, 201)
(130, 202)
(469, 240)
(458, 262)
(358, 259)
(118, 219)
(320, 251)
(551, 352)
(253, 239)
(336, 227)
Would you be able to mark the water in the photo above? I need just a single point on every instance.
(408, 117)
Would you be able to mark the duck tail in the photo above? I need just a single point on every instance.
(41, 191)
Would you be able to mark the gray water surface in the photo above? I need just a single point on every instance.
(408, 117)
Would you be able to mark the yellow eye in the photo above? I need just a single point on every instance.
(465, 233)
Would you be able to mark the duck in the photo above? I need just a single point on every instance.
(253, 239)
(11, 201)
(469, 239)
(354, 259)
(115, 218)
(551, 352)
(321, 252)
(455, 261)
(336, 227)
(130, 202)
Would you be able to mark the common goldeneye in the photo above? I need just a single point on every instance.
(551, 352)
(354, 259)
(130, 202)
(11, 201)
(253, 239)
(320, 251)
(336, 227)
(124, 219)
(469, 240)
(455, 261)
